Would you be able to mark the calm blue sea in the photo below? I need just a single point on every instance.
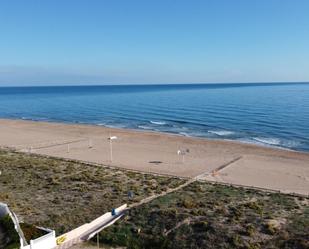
(266, 114)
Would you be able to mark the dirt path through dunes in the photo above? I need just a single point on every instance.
(151, 198)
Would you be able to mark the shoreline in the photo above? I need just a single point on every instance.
(164, 133)
(156, 152)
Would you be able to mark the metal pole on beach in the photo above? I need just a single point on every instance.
(111, 149)
(182, 153)
(111, 146)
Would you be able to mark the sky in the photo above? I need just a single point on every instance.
(74, 42)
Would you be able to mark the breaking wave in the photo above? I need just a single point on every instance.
(158, 122)
(222, 133)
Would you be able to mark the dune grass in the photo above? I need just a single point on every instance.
(204, 215)
(62, 195)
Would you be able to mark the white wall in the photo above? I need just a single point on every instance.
(47, 241)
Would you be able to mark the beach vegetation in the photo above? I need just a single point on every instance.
(62, 194)
(216, 216)
(31, 232)
(10, 236)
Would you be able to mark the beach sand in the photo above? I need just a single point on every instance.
(222, 161)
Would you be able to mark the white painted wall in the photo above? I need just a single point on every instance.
(47, 241)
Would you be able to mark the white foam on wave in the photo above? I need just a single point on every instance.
(157, 122)
(144, 127)
(291, 144)
(221, 133)
(34, 119)
(192, 134)
(115, 126)
(268, 140)
(271, 142)
(253, 141)
(184, 134)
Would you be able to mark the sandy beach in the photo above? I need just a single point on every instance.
(222, 161)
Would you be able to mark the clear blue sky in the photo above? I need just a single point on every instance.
(157, 41)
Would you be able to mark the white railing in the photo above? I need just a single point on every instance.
(47, 241)
(4, 210)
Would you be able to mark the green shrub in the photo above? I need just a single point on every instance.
(188, 203)
(250, 230)
(13, 237)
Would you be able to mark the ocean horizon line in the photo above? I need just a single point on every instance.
(263, 83)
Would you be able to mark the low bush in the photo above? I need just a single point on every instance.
(12, 236)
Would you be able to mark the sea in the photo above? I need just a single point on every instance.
(267, 114)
